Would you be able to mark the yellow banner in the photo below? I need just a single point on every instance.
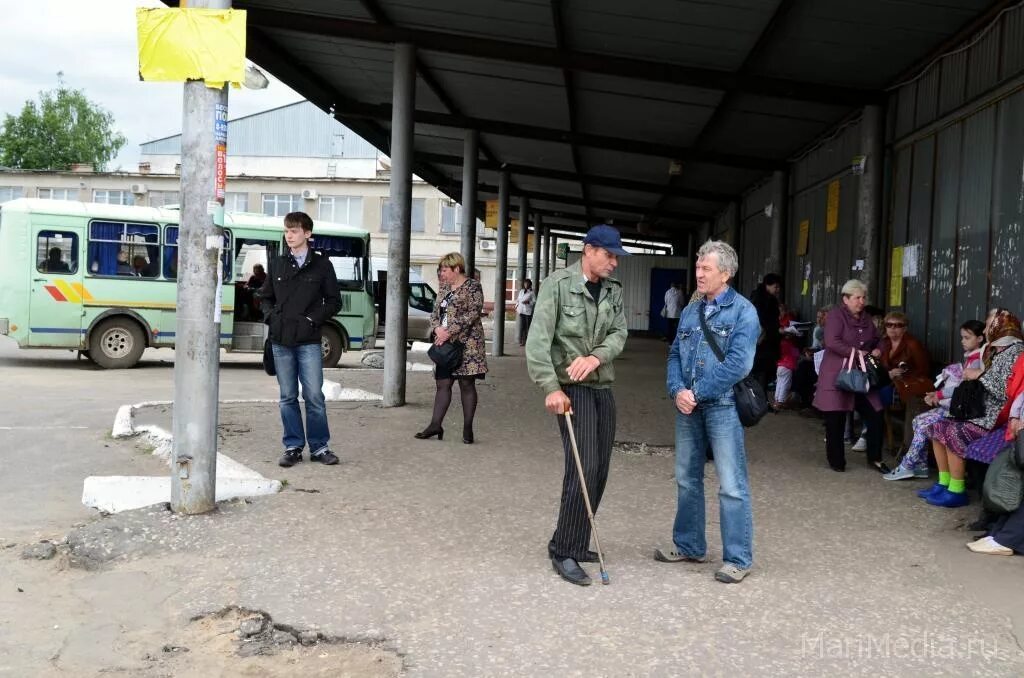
(896, 278)
(805, 234)
(832, 218)
(176, 45)
(491, 214)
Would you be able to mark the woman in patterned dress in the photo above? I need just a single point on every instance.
(456, 318)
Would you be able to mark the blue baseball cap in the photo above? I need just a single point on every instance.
(606, 237)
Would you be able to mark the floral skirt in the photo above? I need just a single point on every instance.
(958, 435)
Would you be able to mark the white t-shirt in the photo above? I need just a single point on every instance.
(673, 302)
(524, 304)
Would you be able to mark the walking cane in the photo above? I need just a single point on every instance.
(586, 497)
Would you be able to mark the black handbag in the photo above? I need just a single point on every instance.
(447, 356)
(878, 376)
(968, 401)
(268, 358)
(851, 379)
(751, 400)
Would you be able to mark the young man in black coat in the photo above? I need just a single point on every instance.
(299, 295)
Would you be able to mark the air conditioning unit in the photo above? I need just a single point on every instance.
(488, 245)
(138, 189)
(309, 194)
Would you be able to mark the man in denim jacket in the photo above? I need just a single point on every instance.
(701, 388)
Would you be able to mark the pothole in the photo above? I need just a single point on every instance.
(642, 449)
(238, 641)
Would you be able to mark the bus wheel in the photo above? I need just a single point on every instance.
(331, 346)
(116, 344)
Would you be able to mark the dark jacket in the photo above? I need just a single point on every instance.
(296, 302)
(768, 345)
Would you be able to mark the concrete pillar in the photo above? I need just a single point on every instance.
(869, 202)
(521, 272)
(470, 151)
(553, 253)
(501, 267)
(197, 360)
(545, 251)
(538, 229)
(399, 224)
(776, 256)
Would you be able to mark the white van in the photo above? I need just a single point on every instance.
(421, 300)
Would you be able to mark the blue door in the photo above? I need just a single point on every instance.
(661, 280)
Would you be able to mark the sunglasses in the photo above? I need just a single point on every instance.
(895, 324)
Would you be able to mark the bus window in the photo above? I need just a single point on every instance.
(56, 252)
(171, 254)
(131, 250)
(348, 257)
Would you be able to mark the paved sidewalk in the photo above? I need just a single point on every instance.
(437, 550)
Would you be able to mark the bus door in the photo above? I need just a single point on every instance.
(251, 263)
(57, 292)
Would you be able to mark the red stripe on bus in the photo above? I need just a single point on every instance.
(54, 292)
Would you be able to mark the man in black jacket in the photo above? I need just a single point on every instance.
(299, 295)
(766, 301)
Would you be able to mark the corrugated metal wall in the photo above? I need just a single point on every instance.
(958, 186)
(755, 239)
(829, 260)
(296, 130)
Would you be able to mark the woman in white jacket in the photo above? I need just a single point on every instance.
(524, 308)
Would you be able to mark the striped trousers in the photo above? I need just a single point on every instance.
(594, 425)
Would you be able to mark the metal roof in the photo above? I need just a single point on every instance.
(293, 130)
(588, 101)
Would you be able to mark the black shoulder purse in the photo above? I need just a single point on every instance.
(751, 401)
(968, 401)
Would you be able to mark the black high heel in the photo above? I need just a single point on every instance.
(428, 433)
(467, 435)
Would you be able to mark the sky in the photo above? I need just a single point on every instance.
(93, 43)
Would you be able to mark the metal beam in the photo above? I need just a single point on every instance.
(558, 21)
(552, 57)
(592, 179)
(351, 109)
(602, 204)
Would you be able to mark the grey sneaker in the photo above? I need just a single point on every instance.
(673, 556)
(899, 473)
(730, 574)
(921, 472)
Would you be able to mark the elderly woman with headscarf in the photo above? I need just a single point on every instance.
(848, 330)
(951, 438)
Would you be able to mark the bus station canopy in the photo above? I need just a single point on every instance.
(650, 113)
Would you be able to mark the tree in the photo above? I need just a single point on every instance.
(64, 127)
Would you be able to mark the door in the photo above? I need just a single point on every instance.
(56, 292)
(661, 280)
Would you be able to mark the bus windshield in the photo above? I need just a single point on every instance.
(347, 255)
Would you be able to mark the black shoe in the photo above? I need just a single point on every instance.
(467, 435)
(881, 467)
(838, 469)
(589, 557)
(430, 433)
(570, 571)
(291, 457)
(326, 458)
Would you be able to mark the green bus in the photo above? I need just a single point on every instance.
(101, 279)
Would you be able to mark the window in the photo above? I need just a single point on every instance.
(162, 198)
(170, 260)
(280, 204)
(422, 296)
(236, 202)
(348, 256)
(58, 193)
(419, 220)
(117, 248)
(342, 209)
(451, 219)
(10, 193)
(56, 252)
(109, 197)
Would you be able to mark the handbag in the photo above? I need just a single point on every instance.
(968, 401)
(268, 358)
(751, 400)
(853, 380)
(1004, 482)
(878, 376)
(447, 356)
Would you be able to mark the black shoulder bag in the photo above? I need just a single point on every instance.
(751, 401)
(968, 401)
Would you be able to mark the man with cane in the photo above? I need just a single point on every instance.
(578, 330)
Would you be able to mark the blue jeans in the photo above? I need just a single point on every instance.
(302, 364)
(718, 424)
